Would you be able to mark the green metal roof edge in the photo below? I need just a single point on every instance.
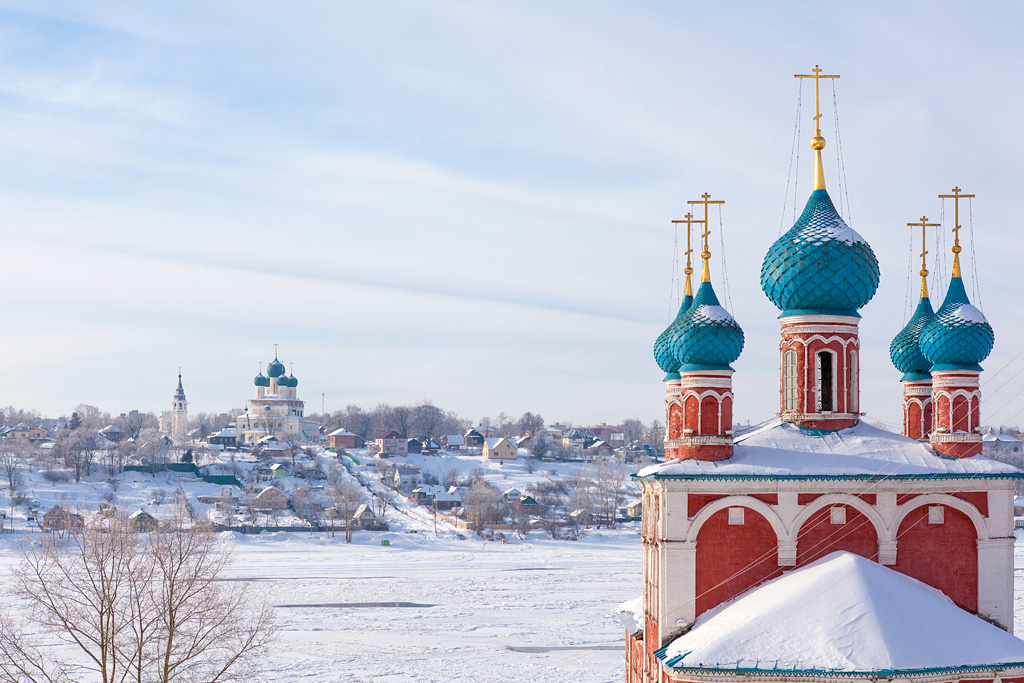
(831, 477)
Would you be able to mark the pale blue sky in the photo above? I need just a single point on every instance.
(467, 202)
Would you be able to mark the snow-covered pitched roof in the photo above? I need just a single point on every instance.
(1000, 437)
(495, 440)
(342, 432)
(631, 614)
(785, 450)
(455, 440)
(224, 434)
(842, 613)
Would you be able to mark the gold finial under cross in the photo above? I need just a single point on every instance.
(705, 199)
(956, 197)
(689, 220)
(817, 142)
(923, 224)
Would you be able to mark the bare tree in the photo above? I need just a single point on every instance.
(347, 497)
(632, 430)
(484, 505)
(530, 424)
(134, 607)
(428, 420)
(10, 461)
(654, 435)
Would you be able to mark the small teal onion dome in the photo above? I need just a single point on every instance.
(905, 349)
(958, 337)
(709, 338)
(821, 265)
(663, 354)
(261, 380)
(276, 368)
(292, 381)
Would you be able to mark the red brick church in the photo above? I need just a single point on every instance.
(818, 547)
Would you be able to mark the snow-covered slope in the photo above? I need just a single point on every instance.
(783, 449)
(843, 613)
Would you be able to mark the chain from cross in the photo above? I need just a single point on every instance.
(817, 76)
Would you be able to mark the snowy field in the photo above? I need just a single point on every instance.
(531, 611)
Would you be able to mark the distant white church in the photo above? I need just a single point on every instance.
(276, 410)
(174, 422)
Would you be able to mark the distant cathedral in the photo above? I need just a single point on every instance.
(817, 547)
(276, 410)
(174, 422)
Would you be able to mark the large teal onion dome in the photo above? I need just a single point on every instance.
(958, 337)
(821, 265)
(261, 381)
(709, 338)
(905, 349)
(663, 354)
(276, 368)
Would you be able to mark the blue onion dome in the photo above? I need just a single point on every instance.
(709, 338)
(663, 354)
(276, 368)
(261, 381)
(293, 382)
(958, 337)
(821, 265)
(905, 349)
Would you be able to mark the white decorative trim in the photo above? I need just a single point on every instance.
(820, 319)
(917, 389)
(705, 383)
(955, 437)
(956, 379)
(942, 499)
(703, 440)
(788, 416)
(754, 504)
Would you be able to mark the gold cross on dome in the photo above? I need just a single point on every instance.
(923, 224)
(705, 199)
(817, 76)
(956, 197)
(689, 220)
(275, 350)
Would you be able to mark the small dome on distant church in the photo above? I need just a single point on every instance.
(663, 354)
(708, 336)
(261, 380)
(905, 349)
(292, 381)
(959, 336)
(276, 368)
(821, 265)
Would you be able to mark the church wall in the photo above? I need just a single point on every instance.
(733, 557)
(920, 543)
(818, 536)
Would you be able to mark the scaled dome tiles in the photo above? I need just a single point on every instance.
(905, 349)
(663, 354)
(820, 265)
(708, 337)
(959, 336)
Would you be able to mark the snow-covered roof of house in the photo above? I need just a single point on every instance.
(600, 444)
(224, 434)
(1000, 437)
(455, 440)
(448, 498)
(342, 432)
(430, 489)
(392, 435)
(843, 613)
(495, 440)
(784, 450)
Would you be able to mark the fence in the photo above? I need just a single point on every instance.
(189, 468)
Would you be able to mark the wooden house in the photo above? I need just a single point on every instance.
(59, 519)
(500, 448)
(271, 498)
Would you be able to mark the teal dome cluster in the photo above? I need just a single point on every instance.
(663, 354)
(708, 338)
(958, 337)
(276, 368)
(905, 350)
(261, 380)
(821, 265)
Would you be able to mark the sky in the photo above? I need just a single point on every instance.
(471, 203)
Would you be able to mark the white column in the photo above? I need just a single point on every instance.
(678, 586)
(995, 580)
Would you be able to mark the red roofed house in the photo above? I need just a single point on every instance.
(391, 444)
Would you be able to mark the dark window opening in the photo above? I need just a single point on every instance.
(825, 381)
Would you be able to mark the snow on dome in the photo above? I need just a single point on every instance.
(708, 336)
(958, 336)
(782, 449)
(820, 264)
(843, 613)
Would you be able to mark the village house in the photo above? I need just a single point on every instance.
(454, 442)
(271, 498)
(142, 520)
(414, 446)
(59, 519)
(575, 439)
(425, 493)
(406, 478)
(365, 519)
(391, 444)
(473, 439)
(23, 433)
(226, 438)
(500, 448)
(342, 438)
(599, 449)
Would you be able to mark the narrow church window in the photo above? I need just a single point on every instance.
(839, 515)
(936, 514)
(825, 375)
(735, 516)
(854, 383)
(789, 380)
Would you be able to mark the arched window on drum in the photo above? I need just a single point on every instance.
(789, 385)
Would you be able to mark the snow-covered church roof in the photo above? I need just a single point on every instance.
(842, 614)
(782, 449)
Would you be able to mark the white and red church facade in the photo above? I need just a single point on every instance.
(723, 515)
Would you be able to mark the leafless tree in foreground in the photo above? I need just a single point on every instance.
(134, 607)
